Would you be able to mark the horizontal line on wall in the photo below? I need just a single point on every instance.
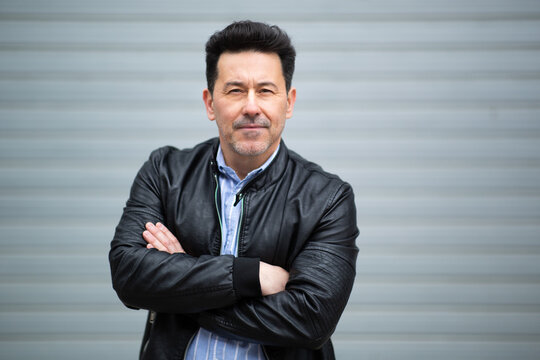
(81, 307)
(443, 257)
(15, 192)
(63, 248)
(50, 249)
(422, 308)
(66, 337)
(99, 134)
(104, 227)
(135, 164)
(485, 334)
(312, 77)
(448, 284)
(320, 104)
(447, 279)
(300, 46)
(391, 279)
(273, 17)
(64, 281)
(116, 306)
(44, 279)
(428, 249)
(340, 338)
(387, 338)
(131, 165)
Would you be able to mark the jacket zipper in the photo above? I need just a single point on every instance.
(265, 353)
(239, 199)
(216, 192)
(239, 226)
(151, 318)
(189, 344)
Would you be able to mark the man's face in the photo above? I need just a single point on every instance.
(249, 103)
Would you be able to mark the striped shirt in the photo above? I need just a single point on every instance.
(207, 345)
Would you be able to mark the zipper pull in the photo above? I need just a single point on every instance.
(214, 167)
(239, 197)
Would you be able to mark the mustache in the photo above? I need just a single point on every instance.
(248, 120)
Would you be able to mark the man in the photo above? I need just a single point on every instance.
(240, 248)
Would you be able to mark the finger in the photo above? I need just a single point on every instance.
(160, 235)
(153, 241)
(171, 244)
(166, 231)
(178, 247)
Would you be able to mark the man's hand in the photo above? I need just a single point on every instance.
(272, 278)
(160, 238)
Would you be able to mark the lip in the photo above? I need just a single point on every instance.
(251, 127)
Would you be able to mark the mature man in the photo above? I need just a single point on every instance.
(239, 247)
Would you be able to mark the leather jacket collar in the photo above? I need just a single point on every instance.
(266, 178)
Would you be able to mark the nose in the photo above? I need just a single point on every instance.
(251, 107)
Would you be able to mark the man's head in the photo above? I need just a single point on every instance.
(249, 36)
(248, 94)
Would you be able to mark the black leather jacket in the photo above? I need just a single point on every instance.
(294, 215)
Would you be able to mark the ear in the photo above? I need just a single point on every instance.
(291, 99)
(209, 104)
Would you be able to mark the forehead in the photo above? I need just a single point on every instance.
(249, 65)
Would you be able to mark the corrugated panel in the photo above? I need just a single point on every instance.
(430, 109)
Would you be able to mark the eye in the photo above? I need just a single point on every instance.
(234, 91)
(266, 91)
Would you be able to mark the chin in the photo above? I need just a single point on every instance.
(250, 148)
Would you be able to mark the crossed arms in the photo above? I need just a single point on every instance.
(272, 278)
(299, 308)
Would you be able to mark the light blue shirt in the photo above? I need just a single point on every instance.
(207, 345)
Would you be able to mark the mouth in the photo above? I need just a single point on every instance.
(251, 127)
(251, 131)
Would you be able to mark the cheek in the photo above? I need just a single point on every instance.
(226, 111)
(274, 110)
(224, 121)
(280, 115)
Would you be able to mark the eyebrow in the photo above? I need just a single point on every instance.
(234, 83)
(267, 83)
(240, 83)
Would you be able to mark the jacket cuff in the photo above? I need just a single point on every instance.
(246, 277)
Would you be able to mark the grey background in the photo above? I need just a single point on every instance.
(430, 109)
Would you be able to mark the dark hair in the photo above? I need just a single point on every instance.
(245, 36)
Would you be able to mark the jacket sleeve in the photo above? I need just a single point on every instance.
(172, 283)
(320, 282)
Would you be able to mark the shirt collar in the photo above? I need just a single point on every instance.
(226, 170)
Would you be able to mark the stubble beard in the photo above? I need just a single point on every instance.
(254, 144)
(250, 148)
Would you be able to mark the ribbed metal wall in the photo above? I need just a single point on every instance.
(430, 109)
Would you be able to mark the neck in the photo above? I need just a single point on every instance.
(244, 164)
